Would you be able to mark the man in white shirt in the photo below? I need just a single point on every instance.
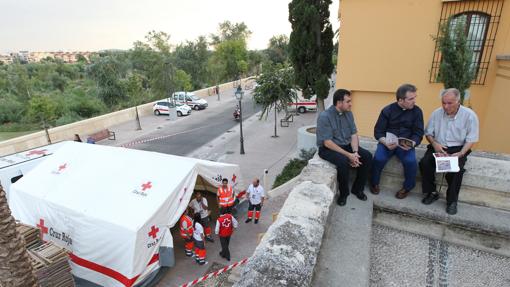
(256, 197)
(453, 130)
(200, 206)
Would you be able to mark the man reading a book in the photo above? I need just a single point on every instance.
(398, 130)
(451, 130)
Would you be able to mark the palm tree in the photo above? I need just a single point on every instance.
(15, 267)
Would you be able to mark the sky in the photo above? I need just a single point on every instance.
(92, 25)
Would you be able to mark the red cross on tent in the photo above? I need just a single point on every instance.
(234, 178)
(154, 232)
(147, 185)
(62, 167)
(36, 152)
(43, 228)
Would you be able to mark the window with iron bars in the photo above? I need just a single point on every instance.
(481, 19)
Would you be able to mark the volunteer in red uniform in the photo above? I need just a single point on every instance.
(198, 238)
(224, 228)
(256, 197)
(225, 195)
(186, 227)
(200, 206)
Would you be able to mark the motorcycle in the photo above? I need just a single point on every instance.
(237, 113)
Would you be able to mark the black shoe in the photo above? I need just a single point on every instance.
(209, 239)
(361, 196)
(451, 208)
(256, 221)
(431, 197)
(221, 254)
(341, 201)
(247, 220)
(228, 259)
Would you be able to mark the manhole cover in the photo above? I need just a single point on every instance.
(229, 152)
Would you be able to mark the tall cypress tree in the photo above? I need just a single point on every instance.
(311, 47)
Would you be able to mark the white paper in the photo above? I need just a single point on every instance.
(391, 138)
(446, 163)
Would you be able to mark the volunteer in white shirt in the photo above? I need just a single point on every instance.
(198, 238)
(200, 206)
(256, 196)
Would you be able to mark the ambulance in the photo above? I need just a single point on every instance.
(303, 105)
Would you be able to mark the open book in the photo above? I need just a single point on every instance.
(393, 139)
(446, 163)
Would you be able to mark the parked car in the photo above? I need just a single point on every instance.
(191, 100)
(304, 105)
(161, 108)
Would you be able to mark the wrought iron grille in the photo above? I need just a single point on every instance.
(482, 19)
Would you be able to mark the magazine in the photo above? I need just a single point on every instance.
(402, 142)
(446, 163)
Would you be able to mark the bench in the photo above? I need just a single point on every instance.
(103, 134)
(289, 118)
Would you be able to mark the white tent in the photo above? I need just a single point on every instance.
(111, 207)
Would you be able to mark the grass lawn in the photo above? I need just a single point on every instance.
(9, 135)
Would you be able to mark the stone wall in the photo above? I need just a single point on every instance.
(288, 251)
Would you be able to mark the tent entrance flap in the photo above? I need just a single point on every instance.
(203, 185)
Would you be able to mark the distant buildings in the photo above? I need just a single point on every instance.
(35, 57)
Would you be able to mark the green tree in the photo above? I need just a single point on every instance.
(107, 72)
(19, 82)
(228, 31)
(311, 46)
(58, 81)
(256, 59)
(192, 58)
(456, 69)
(162, 78)
(275, 90)
(278, 48)
(182, 81)
(232, 57)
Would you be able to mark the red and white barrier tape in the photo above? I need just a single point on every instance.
(213, 274)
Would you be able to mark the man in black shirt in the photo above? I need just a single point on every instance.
(401, 119)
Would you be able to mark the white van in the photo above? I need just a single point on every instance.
(15, 166)
(190, 99)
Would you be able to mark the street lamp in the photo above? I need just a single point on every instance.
(239, 96)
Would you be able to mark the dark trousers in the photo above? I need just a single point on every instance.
(454, 179)
(224, 247)
(343, 168)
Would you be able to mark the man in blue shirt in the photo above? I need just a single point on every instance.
(338, 143)
(404, 119)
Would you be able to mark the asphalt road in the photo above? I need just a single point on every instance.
(191, 132)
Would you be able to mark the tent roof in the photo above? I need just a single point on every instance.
(118, 185)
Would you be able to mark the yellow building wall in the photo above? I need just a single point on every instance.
(384, 44)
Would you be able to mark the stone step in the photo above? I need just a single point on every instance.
(479, 218)
(486, 181)
(344, 258)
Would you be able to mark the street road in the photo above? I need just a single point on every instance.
(193, 131)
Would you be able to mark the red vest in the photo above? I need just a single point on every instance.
(186, 226)
(226, 225)
(226, 196)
